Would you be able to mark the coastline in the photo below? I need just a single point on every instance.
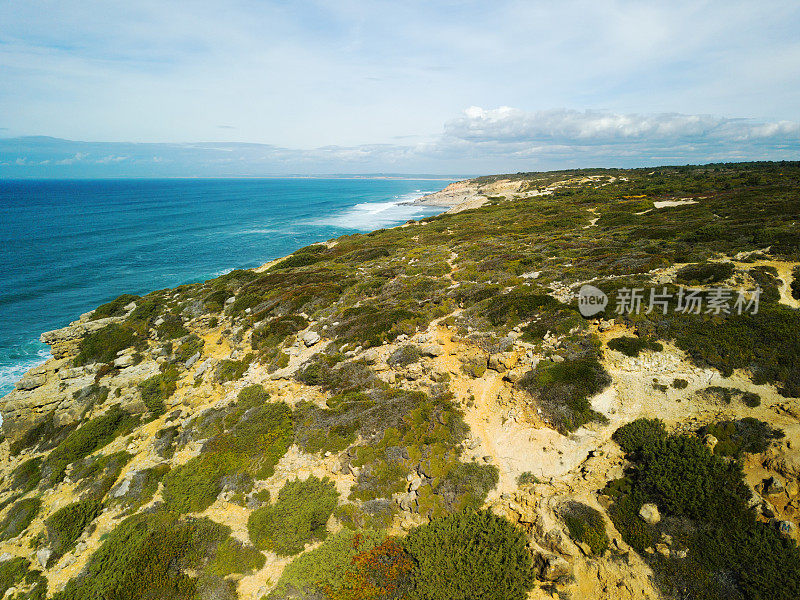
(32, 366)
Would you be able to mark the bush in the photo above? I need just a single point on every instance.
(640, 435)
(704, 273)
(324, 569)
(741, 435)
(16, 573)
(404, 356)
(157, 389)
(88, 438)
(632, 346)
(27, 475)
(276, 330)
(189, 348)
(66, 525)
(18, 518)
(469, 555)
(563, 390)
(171, 327)
(232, 370)
(298, 517)
(379, 573)
(517, 305)
(148, 556)
(680, 384)
(115, 308)
(585, 525)
(254, 440)
(95, 475)
(104, 344)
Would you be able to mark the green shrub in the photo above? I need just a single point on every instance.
(741, 435)
(466, 485)
(66, 525)
(18, 518)
(253, 441)
(563, 389)
(526, 478)
(404, 356)
(632, 346)
(795, 285)
(469, 555)
(27, 475)
(88, 438)
(95, 475)
(104, 344)
(704, 273)
(232, 370)
(517, 305)
(680, 384)
(45, 434)
(171, 327)
(276, 330)
(640, 435)
(115, 308)
(298, 517)
(189, 348)
(141, 488)
(585, 524)
(16, 573)
(157, 389)
(323, 568)
(148, 556)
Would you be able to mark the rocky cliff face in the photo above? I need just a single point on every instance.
(409, 374)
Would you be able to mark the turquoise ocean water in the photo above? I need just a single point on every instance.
(68, 246)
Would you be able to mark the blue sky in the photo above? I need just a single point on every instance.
(357, 86)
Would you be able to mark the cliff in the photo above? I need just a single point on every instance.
(262, 433)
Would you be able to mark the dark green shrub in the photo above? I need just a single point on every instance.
(27, 475)
(563, 390)
(104, 344)
(66, 525)
(141, 488)
(726, 395)
(96, 474)
(704, 273)
(252, 442)
(273, 332)
(298, 517)
(585, 524)
(795, 285)
(44, 435)
(680, 384)
(114, 308)
(466, 485)
(232, 370)
(769, 282)
(640, 435)
(404, 356)
(469, 555)
(157, 389)
(741, 435)
(517, 305)
(171, 328)
(632, 346)
(18, 518)
(369, 325)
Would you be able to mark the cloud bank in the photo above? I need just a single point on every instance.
(479, 140)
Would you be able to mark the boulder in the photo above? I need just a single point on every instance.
(649, 513)
(773, 486)
(432, 350)
(310, 338)
(126, 360)
(43, 555)
(192, 359)
(710, 441)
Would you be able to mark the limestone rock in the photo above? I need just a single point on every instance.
(121, 362)
(43, 555)
(649, 514)
(432, 350)
(310, 338)
(192, 359)
(31, 382)
(553, 567)
(773, 486)
(710, 441)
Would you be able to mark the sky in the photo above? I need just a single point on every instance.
(178, 88)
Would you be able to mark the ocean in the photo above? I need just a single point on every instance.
(68, 246)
